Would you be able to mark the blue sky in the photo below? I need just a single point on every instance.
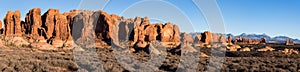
(272, 17)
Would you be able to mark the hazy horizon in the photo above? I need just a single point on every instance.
(271, 17)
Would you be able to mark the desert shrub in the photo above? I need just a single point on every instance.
(25, 46)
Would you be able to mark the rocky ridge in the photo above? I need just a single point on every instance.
(100, 29)
(58, 29)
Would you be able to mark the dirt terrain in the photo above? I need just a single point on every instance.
(29, 59)
(33, 59)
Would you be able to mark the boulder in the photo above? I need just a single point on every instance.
(267, 48)
(233, 47)
(289, 51)
(141, 44)
(294, 51)
(285, 51)
(245, 49)
(203, 55)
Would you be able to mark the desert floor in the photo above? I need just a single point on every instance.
(33, 59)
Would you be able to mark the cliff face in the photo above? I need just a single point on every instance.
(12, 23)
(100, 29)
(81, 27)
(1, 29)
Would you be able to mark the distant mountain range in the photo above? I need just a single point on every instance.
(277, 39)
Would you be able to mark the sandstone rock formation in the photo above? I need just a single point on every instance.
(52, 27)
(70, 19)
(16, 41)
(229, 39)
(62, 31)
(170, 33)
(186, 38)
(57, 28)
(263, 40)
(108, 27)
(18, 28)
(12, 23)
(218, 38)
(1, 29)
(203, 55)
(245, 49)
(206, 37)
(98, 28)
(9, 23)
(112, 29)
(82, 30)
(197, 39)
(249, 41)
(210, 38)
(42, 45)
(288, 42)
(287, 51)
(33, 19)
(151, 32)
(233, 47)
(49, 22)
(267, 48)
